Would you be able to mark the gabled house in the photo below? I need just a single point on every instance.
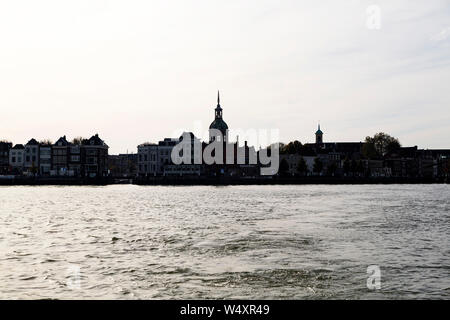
(60, 155)
(95, 157)
(31, 160)
(16, 158)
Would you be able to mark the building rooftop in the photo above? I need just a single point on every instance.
(32, 142)
(94, 141)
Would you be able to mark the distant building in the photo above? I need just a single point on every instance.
(334, 153)
(5, 147)
(96, 161)
(88, 158)
(16, 158)
(60, 155)
(218, 130)
(74, 159)
(31, 161)
(123, 165)
(293, 160)
(45, 159)
(319, 136)
(155, 159)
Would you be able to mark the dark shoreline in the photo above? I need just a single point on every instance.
(284, 181)
(192, 181)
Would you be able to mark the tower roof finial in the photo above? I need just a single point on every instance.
(318, 129)
(218, 98)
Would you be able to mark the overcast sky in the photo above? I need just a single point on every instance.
(135, 71)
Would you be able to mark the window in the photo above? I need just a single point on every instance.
(75, 158)
(13, 159)
(60, 152)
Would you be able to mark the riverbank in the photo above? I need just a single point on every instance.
(186, 181)
(45, 181)
(281, 180)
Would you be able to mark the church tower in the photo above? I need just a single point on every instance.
(319, 136)
(218, 124)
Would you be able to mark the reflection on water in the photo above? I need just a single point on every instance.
(290, 242)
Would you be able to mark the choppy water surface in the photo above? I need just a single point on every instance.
(289, 242)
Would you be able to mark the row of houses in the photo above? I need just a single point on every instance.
(79, 158)
(347, 159)
(154, 159)
(340, 165)
(89, 158)
(316, 159)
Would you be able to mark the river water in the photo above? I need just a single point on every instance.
(265, 242)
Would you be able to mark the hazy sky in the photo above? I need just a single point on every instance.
(135, 71)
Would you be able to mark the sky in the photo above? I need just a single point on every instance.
(139, 71)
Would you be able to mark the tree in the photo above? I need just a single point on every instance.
(284, 166)
(379, 145)
(369, 151)
(318, 166)
(78, 140)
(302, 167)
(46, 142)
(294, 147)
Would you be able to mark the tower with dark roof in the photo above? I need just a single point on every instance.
(218, 124)
(319, 136)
